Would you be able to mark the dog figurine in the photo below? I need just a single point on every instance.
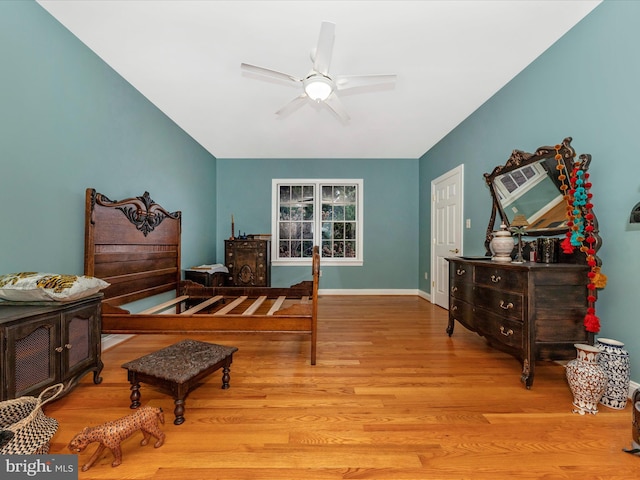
(111, 434)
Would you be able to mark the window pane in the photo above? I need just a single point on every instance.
(296, 248)
(327, 212)
(284, 250)
(338, 231)
(350, 193)
(326, 249)
(307, 212)
(308, 248)
(350, 231)
(350, 249)
(350, 212)
(285, 231)
(307, 193)
(518, 177)
(296, 193)
(338, 212)
(326, 230)
(296, 230)
(285, 193)
(285, 213)
(327, 194)
(338, 249)
(307, 230)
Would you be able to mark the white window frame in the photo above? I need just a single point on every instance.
(317, 225)
(506, 197)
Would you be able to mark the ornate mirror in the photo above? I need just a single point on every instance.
(529, 186)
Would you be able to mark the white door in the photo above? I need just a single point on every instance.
(446, 230)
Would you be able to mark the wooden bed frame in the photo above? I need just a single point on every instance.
(134, 244)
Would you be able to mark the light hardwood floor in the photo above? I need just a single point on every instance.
(392, 397)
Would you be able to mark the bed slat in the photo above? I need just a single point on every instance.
(255, 305)
(276, 305)
(202, 306)
(165, 305)
(231, 306)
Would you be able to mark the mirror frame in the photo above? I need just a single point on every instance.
(519, 159)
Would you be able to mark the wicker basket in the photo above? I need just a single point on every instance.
(32, 429)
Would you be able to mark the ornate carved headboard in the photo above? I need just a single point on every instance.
(134, 244)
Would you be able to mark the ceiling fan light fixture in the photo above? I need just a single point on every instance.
(318, 87)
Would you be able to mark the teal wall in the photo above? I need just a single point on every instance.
(69, 122)
(584, 86)
(390, 212)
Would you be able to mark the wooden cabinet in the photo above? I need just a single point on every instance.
(44, 344)
(249, 262)
(216, 279)
(533, 311)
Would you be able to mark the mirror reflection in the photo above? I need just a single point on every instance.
(531, 193)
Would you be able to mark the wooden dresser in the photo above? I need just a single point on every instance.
(48, 343)
(533, 311)
(249, 262)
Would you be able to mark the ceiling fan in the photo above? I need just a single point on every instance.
(318, 85)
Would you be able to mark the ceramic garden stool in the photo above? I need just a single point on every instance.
(178, 369)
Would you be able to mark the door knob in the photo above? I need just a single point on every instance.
(454, 251)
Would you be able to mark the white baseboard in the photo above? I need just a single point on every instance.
(425, 295)
(366, 291)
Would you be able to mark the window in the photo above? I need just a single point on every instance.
(327, 213)
(514, 184)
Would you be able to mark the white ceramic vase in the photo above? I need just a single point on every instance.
(501, 245)
(587, 379)
(615, 362)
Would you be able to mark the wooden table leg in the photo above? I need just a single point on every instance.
(225, 376)
(135, 394)
(178, 411)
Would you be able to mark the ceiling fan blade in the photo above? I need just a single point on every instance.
(324, 49)
(293, 105)
(334, 103)
(268, 72)
(344, 82)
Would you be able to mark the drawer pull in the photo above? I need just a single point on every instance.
(507, 306)
(495, 278)
(454, 289)
(68, 346)
(454, 308)
(59, 349)
(506, 333)
(460, 271)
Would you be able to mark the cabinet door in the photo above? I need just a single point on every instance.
(31, 360)
(80, 338)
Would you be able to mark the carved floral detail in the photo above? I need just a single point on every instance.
(141, 211)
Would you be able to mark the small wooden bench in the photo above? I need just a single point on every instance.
(178, 369)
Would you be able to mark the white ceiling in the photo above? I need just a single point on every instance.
(450, 57)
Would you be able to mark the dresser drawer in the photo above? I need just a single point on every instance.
(505, 331)
(461, 291)
(462, 312)
(512, 280)
(461, 281)
(499, 302)
(460, 273)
